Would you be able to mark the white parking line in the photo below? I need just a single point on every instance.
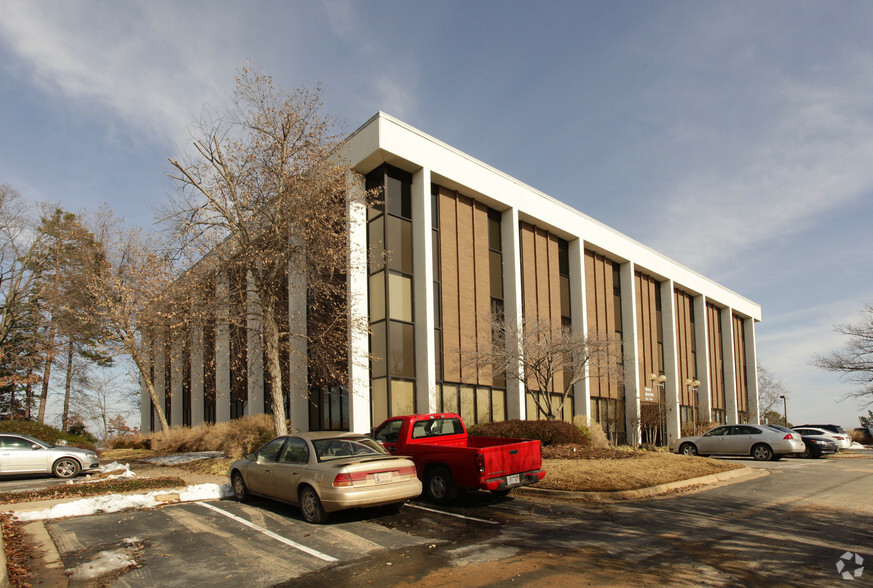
(451, 514)
(268, 533)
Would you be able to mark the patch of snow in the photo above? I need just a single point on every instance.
(177, 458)
(117, 502)
(105, 562)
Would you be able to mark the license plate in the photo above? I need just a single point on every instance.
(513, 479)
(382, 477)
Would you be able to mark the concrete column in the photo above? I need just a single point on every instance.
(359, 316)
(671, 360)
(579, 321)
(730, 375)
(298, 381)
(255, 350)
(222, 349)
(516, 406)
(752, 369)
(197, 377)
(177, 375)
(701, 340)
(145, 399)
(160, 363)
(422, 247)
(632, 390)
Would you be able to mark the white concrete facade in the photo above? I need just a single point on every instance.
(384, 139)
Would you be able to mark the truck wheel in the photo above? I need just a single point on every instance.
(439, 486)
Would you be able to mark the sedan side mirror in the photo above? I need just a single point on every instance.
(36, 446)
(251, 457)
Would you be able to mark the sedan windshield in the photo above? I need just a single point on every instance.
(328, 449)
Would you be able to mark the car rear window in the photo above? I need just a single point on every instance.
(437, 428)
(341, 447)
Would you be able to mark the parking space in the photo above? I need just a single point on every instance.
(784, 463)
(256, 544)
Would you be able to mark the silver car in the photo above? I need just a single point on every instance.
(843, 440)
(325, 472)
(762, 442)
(23, 454)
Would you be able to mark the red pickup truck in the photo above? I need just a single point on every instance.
(447, 459)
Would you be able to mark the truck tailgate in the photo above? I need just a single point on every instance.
(507, 456)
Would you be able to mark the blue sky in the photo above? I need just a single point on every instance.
(736, 138)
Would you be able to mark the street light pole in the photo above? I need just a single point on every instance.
(784, 410)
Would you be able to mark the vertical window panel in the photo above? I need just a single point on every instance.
(468, 405)
(402, 397)
(400, 297)
(398, 244)
(377, 296)
(483, 405)
(379, 399)
(378, 350)
(450, 399)
(498, 404)
(401, 350)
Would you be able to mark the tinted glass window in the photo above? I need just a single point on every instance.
(270, 451)
(296, 451)
(718, 432)
(389, 432)
(330, 449)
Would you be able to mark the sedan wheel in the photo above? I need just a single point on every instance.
(240, 491)
(310, 507)
(806, 454)
(762, 453)
(688, 449)
(66, 467)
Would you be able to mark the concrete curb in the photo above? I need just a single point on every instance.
(732, 476)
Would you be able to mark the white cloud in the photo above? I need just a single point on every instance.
(146, 63)
(776, 179)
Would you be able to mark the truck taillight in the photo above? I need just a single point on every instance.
(480, 463)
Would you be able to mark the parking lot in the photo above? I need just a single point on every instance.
(789, 527)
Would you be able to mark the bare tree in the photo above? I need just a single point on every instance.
(20, 266)
(264, 194)
(855, 361)
(125, 293)
(548, 358)
(770, 391)
(103, 400)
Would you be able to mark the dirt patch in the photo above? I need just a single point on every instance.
(630, 471)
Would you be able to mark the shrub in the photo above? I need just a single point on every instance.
(136, 441)
(45, 433)
(547, 432)
(597, 438)
(234, 438)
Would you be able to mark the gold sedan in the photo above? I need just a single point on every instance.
(325, 472)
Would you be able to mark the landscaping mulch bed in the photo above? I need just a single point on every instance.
(582, 452)
(18, 554)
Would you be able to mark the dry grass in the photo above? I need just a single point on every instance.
(234, 438)
(630, 471)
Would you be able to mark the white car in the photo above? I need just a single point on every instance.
(762, 442)
(843, 441)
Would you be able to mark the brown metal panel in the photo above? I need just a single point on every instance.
(542, 272)
(554, 301)
(715, 358)
(740, 364)
(590, 293)
(466, 289)
(528, 270)
(483, 289)
(449, 286)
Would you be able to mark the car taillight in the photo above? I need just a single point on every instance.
(343, 479)
(407, 471)
(480, 463)
(788, 436)
(838, 438)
